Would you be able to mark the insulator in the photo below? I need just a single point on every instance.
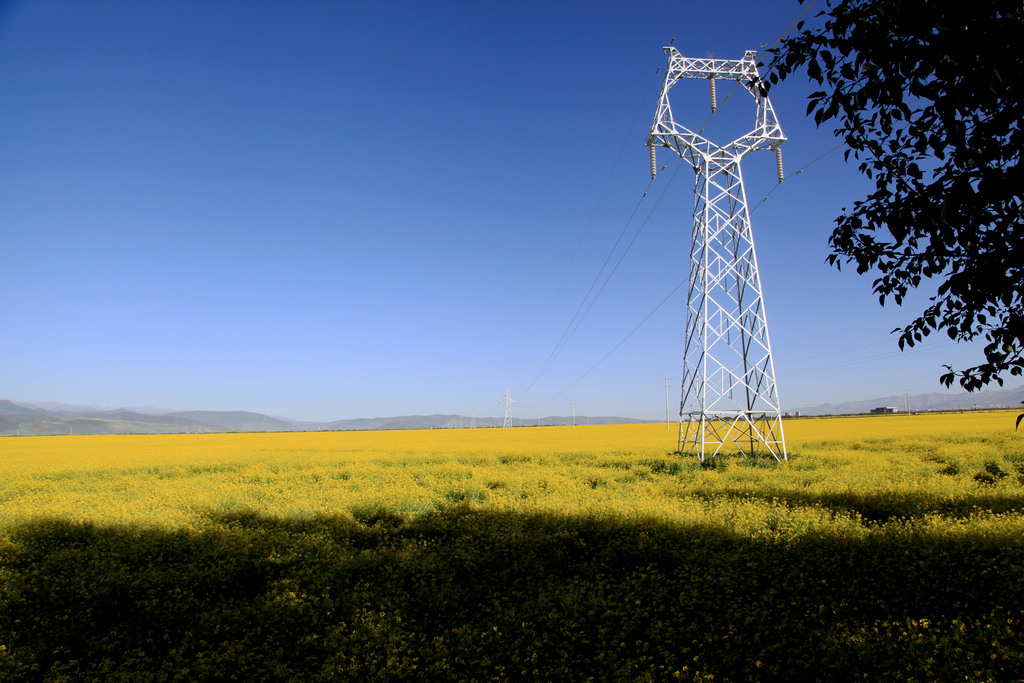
(778, 163)
(654, 164)
(714, 96)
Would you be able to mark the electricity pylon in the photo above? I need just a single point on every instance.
(507, 423)
(729, 400)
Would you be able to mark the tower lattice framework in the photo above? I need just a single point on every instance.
(729, 399)
(507, 421)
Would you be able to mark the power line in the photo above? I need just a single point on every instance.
(794, 174)
(580, 314)
(621, 342)
(681, 22)
(593, 213)
(570, 329)
(863, 359)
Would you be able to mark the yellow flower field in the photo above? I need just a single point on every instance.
(886, 548)
(623, 470)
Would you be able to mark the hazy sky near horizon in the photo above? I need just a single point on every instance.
(327, 210)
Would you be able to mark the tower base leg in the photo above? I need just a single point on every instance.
(748, 433)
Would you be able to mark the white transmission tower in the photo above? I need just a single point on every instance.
(507, 423)
(729, 398)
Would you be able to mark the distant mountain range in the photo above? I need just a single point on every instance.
(982, 400)
(22, 418)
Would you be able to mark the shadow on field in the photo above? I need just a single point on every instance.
(876, 508)
(465, 594)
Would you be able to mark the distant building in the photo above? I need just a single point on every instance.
(884, 409)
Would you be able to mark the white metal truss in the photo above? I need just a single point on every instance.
(729, 396)
(507, 421)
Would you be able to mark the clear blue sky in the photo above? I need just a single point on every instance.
(328, 210)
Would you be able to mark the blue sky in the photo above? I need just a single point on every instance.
(327, 210)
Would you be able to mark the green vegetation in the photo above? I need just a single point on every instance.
(467, 594)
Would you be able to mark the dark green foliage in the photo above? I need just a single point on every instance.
(668, 466)
(990, 474)
(927, 96)
(879, 508)
(464, 594)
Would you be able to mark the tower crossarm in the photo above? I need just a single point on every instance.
(667, 132)
(732, 69)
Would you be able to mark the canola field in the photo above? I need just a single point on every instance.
(887, 548)
(921, 466)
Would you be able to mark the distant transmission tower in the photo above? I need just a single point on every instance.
(729, 398)
(507, 423)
